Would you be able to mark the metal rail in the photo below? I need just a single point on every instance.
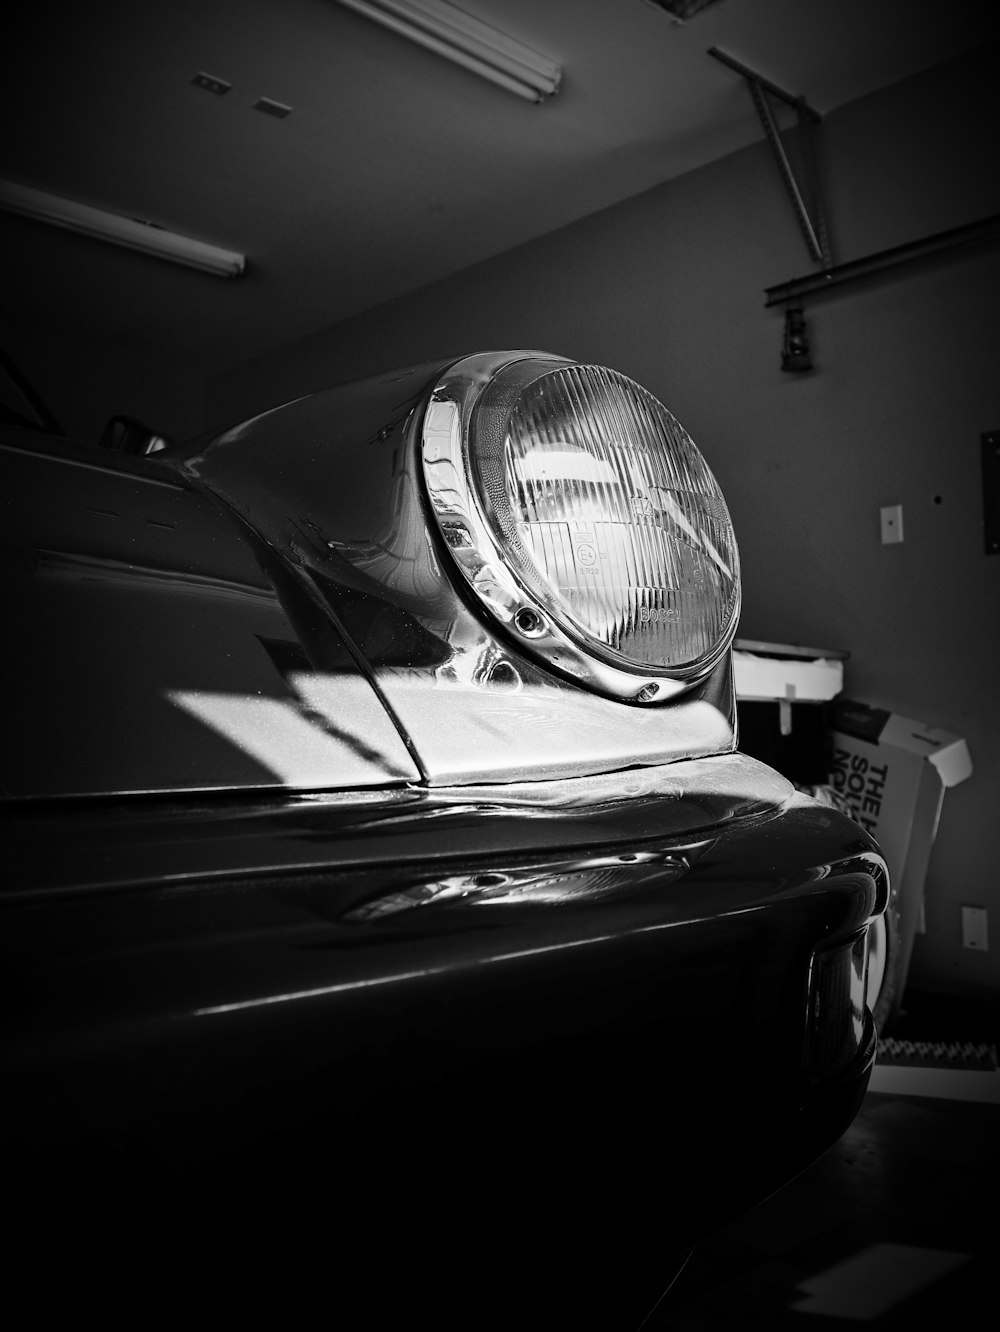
(800, 103)
(987, 229)
(812, 221)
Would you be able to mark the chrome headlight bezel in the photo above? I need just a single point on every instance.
(447, 441)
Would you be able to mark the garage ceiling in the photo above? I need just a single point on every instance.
(394, 167)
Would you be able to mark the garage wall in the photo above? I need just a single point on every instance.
(668, 287)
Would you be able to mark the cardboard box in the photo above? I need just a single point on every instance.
(785, 671)
(894, 772)
(783, 697)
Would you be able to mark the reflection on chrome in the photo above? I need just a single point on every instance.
(482, 665)
(589, 879)
(745, 784)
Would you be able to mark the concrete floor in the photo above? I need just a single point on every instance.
(897, 1226)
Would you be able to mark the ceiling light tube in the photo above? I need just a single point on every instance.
(467, 41)
(126, 231)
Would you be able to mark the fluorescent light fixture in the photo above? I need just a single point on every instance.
(126, 231)
(468, 41)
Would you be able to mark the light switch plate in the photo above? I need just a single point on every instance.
(974, 932)
(891, 516)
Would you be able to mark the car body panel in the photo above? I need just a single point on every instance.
(331, 483)
(117, 844)
(153, 654)
(349, 952)
(571, 1027)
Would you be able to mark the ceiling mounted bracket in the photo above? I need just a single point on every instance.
(805, 196)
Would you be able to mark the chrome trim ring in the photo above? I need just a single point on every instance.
(445, 442)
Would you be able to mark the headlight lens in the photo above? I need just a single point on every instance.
(583, 515)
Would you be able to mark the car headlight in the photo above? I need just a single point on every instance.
(583, 518)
